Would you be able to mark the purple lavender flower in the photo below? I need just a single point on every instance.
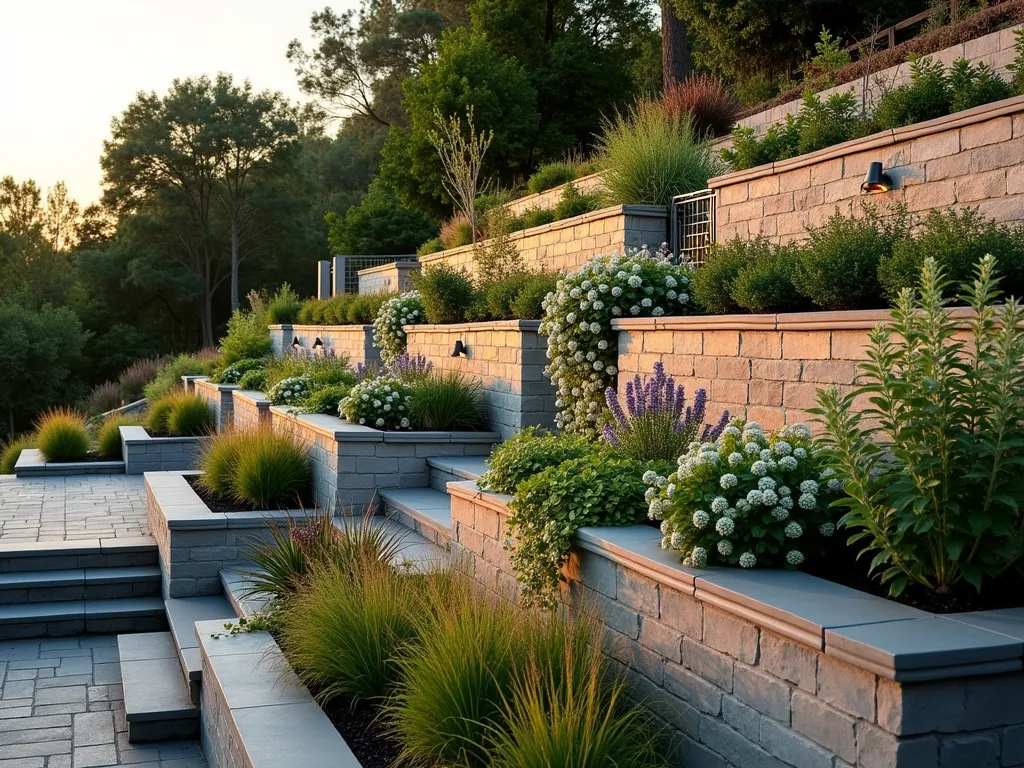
(407, 366)
(655, 423)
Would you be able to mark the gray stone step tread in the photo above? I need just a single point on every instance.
(155, 691)
(466, 467)
(146, 646)
(182, 615)
(125, 606)
(120, 575)
(237, 590)
(76, 547)
(77, 609)
(428, 506)
(74, 576)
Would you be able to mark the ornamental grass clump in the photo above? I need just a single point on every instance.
(583, 346)
(63, 435)
(135, 377)
(108, 437)
(931, 467)
(446, 401)
(271, 471)
(746, 498)
(102, 398)
(189, 416)
(11, 452)
(527, 453)
(656, 424)
(381, 403)
(388, 326)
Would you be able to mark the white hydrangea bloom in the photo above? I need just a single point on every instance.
(719, 504)
(748, 560)
(794, 530)
(725, 547)
(780, 513)
(701, 519)
(808, 501)
(788, 463)
(728, 481)
(699, 557)
(827, 529)
(725, 526)
(759, 468)
(794, 557)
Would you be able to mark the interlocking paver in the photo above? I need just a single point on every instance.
(74, 720)
(59, 508)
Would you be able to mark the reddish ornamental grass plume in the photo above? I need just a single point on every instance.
(710, 103)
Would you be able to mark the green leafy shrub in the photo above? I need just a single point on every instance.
(957, 240)
(651, 156)
(780, 141)
(62, 434)
(749, 504)
(500, 295)
(974, 85)
(108, 437)
(706, 100)
(256, 379)
(832, 121)
(388, 326)
(518, 296)
(311, 312)
(928, 95)
(326, 399)
(527, 453)
(572, 203)
(168, 378)
(12, 452)
(712, 284)
(271, 472)
(765, 284)
(829, 58)
(291, 390)
(529, 302)
(364, 307)
(497, 257)
(283, 307)
(549, 176)
(189, 416)
(548, 508)
(582, 345)
(1017, 67)
(381, 403)
(433, 245)
(928, 451)
(839, 263)
(247, 337)
(446, 401)
(316, 369)
(233, 373)
(536, 217)
(445, 293)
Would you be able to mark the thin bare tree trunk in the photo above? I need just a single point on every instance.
(234, 262)
(676, 59)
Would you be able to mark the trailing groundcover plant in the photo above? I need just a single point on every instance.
(396, 312)
(745, 498)
(577, 320)
(933, 467)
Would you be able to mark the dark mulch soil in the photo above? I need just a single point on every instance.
(219, 503)
(364, 731)
(93, 456)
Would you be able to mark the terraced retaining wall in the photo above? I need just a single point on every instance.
(251, 409)
(388, 278)
(32, 463)
(570, 243)
(220, 400)
(778, 668)
(507, 358)
(549, 198)
(353, 341)
(350, 461)
(143, 453)
(972, 158)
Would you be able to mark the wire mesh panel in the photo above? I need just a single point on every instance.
(693, 225)
(349, 267)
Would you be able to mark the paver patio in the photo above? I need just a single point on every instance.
(84, 507)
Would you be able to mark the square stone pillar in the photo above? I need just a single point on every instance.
(323, 279)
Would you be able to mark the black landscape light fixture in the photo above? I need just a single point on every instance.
(318, 344)
(295, 343)
(461, 350)
(876, 181)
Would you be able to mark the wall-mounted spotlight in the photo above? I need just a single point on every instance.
(876, 181)
(461, 350)
(318, 344)
(295, 343)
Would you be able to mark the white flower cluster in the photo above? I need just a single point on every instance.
(577, 322)
(382, 403)
(388, 330)
(745, 499)
(289, 391)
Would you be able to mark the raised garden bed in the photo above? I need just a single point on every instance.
(144, 453)
(251, 409)
(220, 398)
(353, 341)
(32, 463)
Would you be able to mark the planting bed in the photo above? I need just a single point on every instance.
(32, 463)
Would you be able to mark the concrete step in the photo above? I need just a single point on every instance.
(446, 469)
(417, 552)
(182, 615)
(79, 584)
(238, 591)
(157, 704)
(75, 617)
(426, 511)
(82, 553)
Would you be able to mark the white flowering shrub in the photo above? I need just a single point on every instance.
(289, 391)
(747, 499)
(382, 403)
(388, 333)
(582, 347)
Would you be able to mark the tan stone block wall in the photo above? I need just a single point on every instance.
(570, 243)
(549, 198)
(353, 341)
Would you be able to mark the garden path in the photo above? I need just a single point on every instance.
(83, 507)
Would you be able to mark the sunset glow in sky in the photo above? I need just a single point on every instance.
(69, 66)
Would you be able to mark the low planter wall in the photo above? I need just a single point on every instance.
(766, 367)
(189, 381)
(388, 278)
(507, 358)
(143, 453)
(251, 409)
(972, 158)
(32, 463)
(550, 198)
(255, 711)
(219, 396)
(571, 243)
(778, 668)
(353, 341)
(351, 462)
(195, 543)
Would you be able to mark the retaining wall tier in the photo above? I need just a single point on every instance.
(143, 453)
(353, 341)
(251, 409)
(973, 158)
(388, 278)
(570, 243)
(32, 463)
(351, 462)
(765, 367)
(506, 357)
(549, 198)
(778, 668)
(219, 396)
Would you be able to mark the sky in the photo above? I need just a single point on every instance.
(68, 66)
